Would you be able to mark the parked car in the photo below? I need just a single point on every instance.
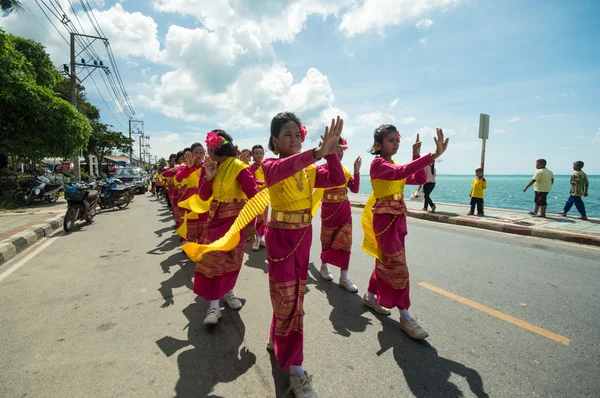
(133, 175)
(65, 166)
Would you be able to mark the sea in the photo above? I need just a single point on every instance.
(505, 192)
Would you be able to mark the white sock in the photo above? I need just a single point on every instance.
(214, 304)
(370, 296)
(324, 266)
(344, 274)
(231, 291)
(404, 314)
(297, 371)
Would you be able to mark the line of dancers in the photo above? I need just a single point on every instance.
(219, 201)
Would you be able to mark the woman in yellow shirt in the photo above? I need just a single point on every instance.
(477, 187)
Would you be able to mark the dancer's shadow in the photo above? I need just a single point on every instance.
(166, 245)
(256, 259)
(165, 230)
(175, 259)
(183, 277)
(214, 357)
(426, 373)
(346, 308)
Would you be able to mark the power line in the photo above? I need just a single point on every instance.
(103, 100)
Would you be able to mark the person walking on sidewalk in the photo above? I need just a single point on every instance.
(429, 186)
(478, 186)
(579, 188)
(542, 182)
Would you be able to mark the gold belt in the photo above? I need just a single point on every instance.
(292, 218)
(396, 196)
(336, 197)
(231, 200)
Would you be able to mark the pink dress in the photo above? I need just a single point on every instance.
(390, 279)
(196, 228)
(217, 272)
(288, 251)
(336, 222)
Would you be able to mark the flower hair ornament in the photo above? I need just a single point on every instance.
(215, 141)
(303, 132)
(345, 143)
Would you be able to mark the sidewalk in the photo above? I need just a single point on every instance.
(21, 228)
(567, 229)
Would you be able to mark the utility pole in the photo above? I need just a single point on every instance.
(136, 127)
(73, 77)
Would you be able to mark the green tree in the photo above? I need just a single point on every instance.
(104, 141)
(9, 6)
(34, 123)
(162, 163)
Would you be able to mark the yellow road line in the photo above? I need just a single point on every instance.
(498, 314)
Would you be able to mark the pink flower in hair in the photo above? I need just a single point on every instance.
(344, 141)
(303, 131)
(213, 140)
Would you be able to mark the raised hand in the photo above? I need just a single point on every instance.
(210, 168)
(440, 144)
(417, 147)
(330, 139)
(189, 159)
(357, 165)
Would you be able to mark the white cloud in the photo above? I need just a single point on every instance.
(596, 139)
(498, 131)
(423, 40)
(424, 23)
(348, 53)
(394, 103)
(408, 120)
(551, 115)
(513, 119)
(377, 14)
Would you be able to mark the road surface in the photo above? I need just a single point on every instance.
(108, 311)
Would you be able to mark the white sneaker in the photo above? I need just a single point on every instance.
(256, 244)
(233, 302)
(348, 285)
(302, 386)
(262, 242)
(374, 305)
(412, 328)
(325, 274)
(212, 316)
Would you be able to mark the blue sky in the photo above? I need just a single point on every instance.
(193, 65)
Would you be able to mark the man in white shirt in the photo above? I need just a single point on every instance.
(542, 182)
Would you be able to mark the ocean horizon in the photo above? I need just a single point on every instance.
(504, 191)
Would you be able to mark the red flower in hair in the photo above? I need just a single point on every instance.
(303, 132)
(344, 141)
(213, 140)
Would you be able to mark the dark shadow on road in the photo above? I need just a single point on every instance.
(281, 378)
(167, 245)
(426, 373)
(175, 259)
(216, 356)
(183, 277)
(159, 233)
(257, 259)
(346, 308)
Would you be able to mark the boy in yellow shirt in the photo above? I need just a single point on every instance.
(477, 187)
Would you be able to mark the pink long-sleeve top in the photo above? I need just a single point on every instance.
(184, 171)
(244, 177)
(414, 172)
(277, 170)
(354, 181)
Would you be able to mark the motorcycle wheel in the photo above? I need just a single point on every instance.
(30, 198)
(90, 218)
(69, 221)
(52, 199)
(124, 205)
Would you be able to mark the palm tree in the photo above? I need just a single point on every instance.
(9, 6)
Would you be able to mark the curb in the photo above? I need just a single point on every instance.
(572, 237)
(20, 241)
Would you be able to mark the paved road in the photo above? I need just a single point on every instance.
(108, 311)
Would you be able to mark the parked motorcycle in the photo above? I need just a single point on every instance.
(39, 189)
(82, 201)
(113, 194)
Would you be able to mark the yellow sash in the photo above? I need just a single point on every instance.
(255, 207)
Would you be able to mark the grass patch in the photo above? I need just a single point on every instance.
(7, 204)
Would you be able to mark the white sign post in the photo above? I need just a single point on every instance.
(484, 133)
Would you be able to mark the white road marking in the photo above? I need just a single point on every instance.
(24, 261)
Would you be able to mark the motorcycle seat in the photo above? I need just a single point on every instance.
(92, 194)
